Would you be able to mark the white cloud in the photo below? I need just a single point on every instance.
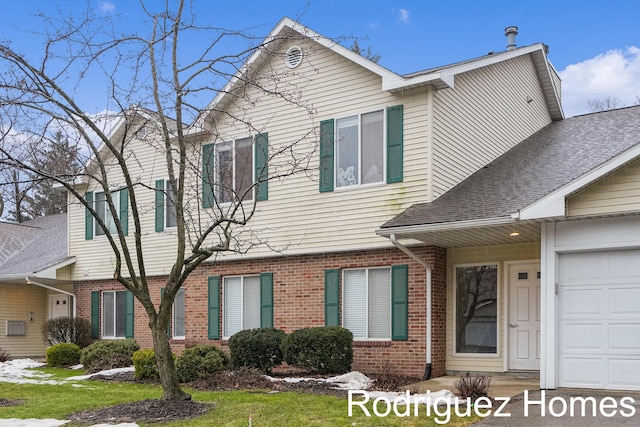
(403, 16)
(106, 7)
(615, 74)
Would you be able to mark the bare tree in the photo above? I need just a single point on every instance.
(608, 103)
(151, 85)
(366, 53)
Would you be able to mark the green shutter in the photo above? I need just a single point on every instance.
(129, 320)
(88, 218)
(326, 155)
(400, 302)
(208, 174)
(160, 205)
(261, 165)
(95, 314)
(395, 136)
(124, 210)
(169, 325)
(266, 300)
(214, 307)
(332, 297)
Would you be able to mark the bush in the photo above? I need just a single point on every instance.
(200, 361)
(472, 386)
(67, 330)
(144, 362)
(325, 349)
(4, 355)
(257, 348)
(63, 354)
(116, 354)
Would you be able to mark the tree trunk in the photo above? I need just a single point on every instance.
(164, 360)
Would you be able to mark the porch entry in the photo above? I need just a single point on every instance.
(523, 315)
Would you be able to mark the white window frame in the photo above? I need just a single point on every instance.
(115, 196)
(225, 283)
(174, 316)
(115, 315)
(360, 178)
(250, 197)
(366, 302)
(498, 266)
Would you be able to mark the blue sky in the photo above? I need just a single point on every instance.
(594, 45)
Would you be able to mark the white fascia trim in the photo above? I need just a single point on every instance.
(406, 231)
(447, 74)
(50, 272)
(554, 204)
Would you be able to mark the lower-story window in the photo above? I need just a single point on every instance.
(477, 309)
(114, 315)
(178, 318)
(241, 304)
(367, 302)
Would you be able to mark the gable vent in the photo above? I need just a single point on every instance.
(293, 58)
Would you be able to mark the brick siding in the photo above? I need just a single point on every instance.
(298, 302)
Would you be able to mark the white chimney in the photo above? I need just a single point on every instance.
(511, 33)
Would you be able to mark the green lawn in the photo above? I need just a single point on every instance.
(231, 409)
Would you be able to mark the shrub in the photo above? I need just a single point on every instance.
(67, 330)
(4, 355)
(200, 361)
(257, 348)
(63, 354)
(108, 353)
(325, 349)
(144, 362)
(472, 386)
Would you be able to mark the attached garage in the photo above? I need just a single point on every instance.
(599, 320)
(591, 304)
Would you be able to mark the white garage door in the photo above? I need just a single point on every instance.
(599, 320)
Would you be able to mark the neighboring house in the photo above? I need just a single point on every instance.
(447, 165)
(34, 282)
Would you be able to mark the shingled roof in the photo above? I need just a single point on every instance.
(32, 246)
(548, 160)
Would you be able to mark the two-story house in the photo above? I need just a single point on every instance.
(428, 222)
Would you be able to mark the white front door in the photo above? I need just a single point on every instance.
(523, 327)
(58, 306)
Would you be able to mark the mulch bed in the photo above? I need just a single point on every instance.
(228, 380)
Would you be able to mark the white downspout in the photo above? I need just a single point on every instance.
(31, 281)
(397, 244)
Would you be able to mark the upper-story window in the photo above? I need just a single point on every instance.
(362, 149)
(236, 170)
(101, 207)
(104, 213)
(165, 209)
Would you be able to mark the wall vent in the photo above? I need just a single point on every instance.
(293, 58)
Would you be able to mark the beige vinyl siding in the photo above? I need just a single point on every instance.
(296, 218)
(617, 193)
(17, 301)
(557, 83)
(485, 115)
(477, 255)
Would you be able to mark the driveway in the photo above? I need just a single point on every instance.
(568, 408)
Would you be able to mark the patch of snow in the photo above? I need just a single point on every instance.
(18, 371)
(108, 372)
(32, 422)
(351, 381)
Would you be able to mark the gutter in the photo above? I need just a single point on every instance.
(412, 255)
(33, 281)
